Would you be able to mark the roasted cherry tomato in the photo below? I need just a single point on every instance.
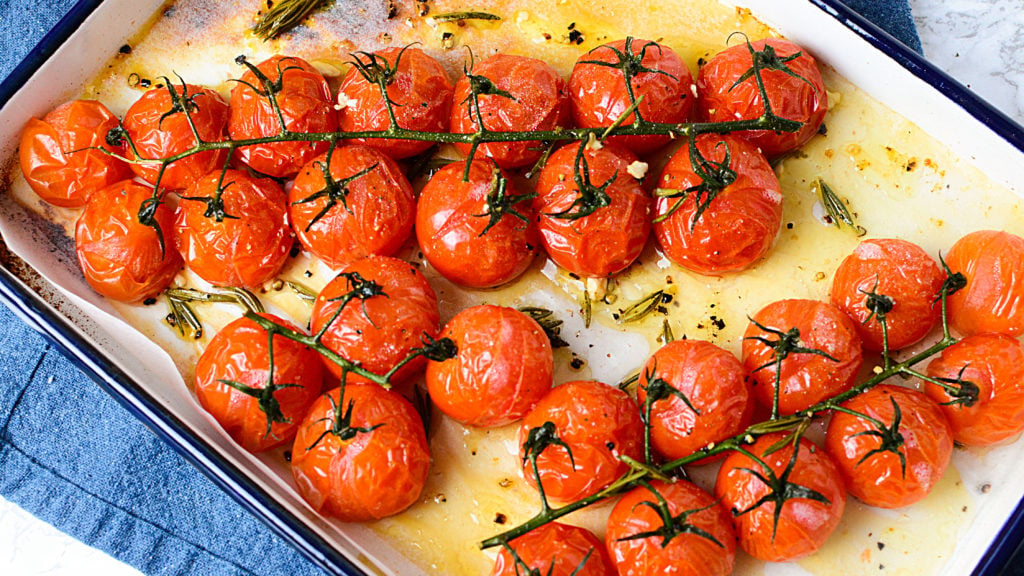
(503, 368)
(890, 459)
(891, 278)
(594, 216)
(418, 87)
(589, 420)
(698, 542)
(233, 231)
(993, 301)
(698, 395)
(60, 158)
(810, 497)
(989, 409)
(813, 348)
(728, 91)
(515, 94)
(304, 99)
(121, 257)
(233, 375)
(158, 126)
(387, 309)
(480, 233)
(554, 549)
(737, 224)
(361, 457)
(600, 96)
(366, 208)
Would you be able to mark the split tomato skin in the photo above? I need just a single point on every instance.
(375, 216)
(250, 244)
(120, 257)
(304, 99)
(555, 549)
(58, 158)
(377, 472)
(993, 301)
(239, 352)
(452, 219)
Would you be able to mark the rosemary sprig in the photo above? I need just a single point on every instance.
(285, 15)
(836, 208)
(460, 16)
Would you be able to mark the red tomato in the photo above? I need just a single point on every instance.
(554, 549)
(738, 224)
(993, 301)
(368, 208)
(611, 237)
(995, 364)
(361, 457)
(158, 126)
(801, 98)
(600, 96)
(714, 383)
(419, 88)
(804, 523)
(250, 243)
(304, 99)
(596, 423)
(381, 330)
(525, 94)
(503, 368)
(469, 231)
(120, 257)
(904, 273)
(806, 377)
(682, 550)
(57, 155)
(240, 353)
(900, 465)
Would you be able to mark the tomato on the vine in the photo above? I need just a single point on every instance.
(993, 301)
(232, 229)
(233, 374)
(361, 457)
(554, 549)
(304, 100)
(479, 233)
(727, 219)
(121, 257)
(60, 155)
(366, 207)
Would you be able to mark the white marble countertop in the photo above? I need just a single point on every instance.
(979, 42)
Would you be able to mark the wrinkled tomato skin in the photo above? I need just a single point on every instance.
(738, 227)
(373, 475)
(538, 101)
(904, 272)
(157, 136)
(599, 97)
(503, 368)
(451, 216)
(714, 382)
(686, 554)
(57, 158)
(375, 217)
(555, 549)
(879, 479)
(995, 364)
(806, 378)
(120, 257)
(804, 524)
(598, 422)
(378, 332)
(606, 241)
(993, 301)
(421, 92)
(802, 99)
(306, 106)
(247, 250)
(240, 353)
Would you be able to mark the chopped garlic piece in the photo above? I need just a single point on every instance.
(637, 169)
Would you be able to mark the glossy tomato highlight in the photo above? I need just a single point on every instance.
(993, 301)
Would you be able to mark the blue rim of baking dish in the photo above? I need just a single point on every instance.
(30, 307)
